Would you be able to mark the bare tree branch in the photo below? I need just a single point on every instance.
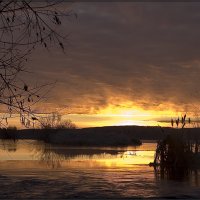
(23, 26)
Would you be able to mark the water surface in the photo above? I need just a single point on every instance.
(32, 169)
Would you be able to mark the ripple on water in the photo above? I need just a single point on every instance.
(39, 171)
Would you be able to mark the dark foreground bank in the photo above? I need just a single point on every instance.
(73, 137)
(99, 136)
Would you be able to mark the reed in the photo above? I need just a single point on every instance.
(177, 153)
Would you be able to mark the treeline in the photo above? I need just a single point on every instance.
(145, 132)
(136, 132)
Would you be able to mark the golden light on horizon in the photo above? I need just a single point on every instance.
(128, 114)
(124, 114)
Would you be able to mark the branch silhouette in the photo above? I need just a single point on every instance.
(23, 26)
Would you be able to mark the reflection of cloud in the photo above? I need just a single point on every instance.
(144, 53)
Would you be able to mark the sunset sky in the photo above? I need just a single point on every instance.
(125, 63)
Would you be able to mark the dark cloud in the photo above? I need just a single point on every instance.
(147, 53)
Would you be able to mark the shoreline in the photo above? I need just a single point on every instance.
(98, 136)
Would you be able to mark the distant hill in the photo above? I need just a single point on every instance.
(109, 135)
(144, 132)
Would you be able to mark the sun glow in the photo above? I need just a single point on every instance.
(127, 114)
(124, 110)
(123, 114)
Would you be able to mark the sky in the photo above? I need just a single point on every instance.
(126, 63)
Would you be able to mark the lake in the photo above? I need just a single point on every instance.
(33, 169)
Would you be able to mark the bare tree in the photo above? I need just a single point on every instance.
(55, 121)
(23, 26)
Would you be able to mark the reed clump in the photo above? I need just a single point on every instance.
(177, 152)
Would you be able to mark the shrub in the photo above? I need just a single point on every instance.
(54, 121)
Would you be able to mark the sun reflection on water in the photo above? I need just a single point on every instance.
(71, 156)
(111, 172)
